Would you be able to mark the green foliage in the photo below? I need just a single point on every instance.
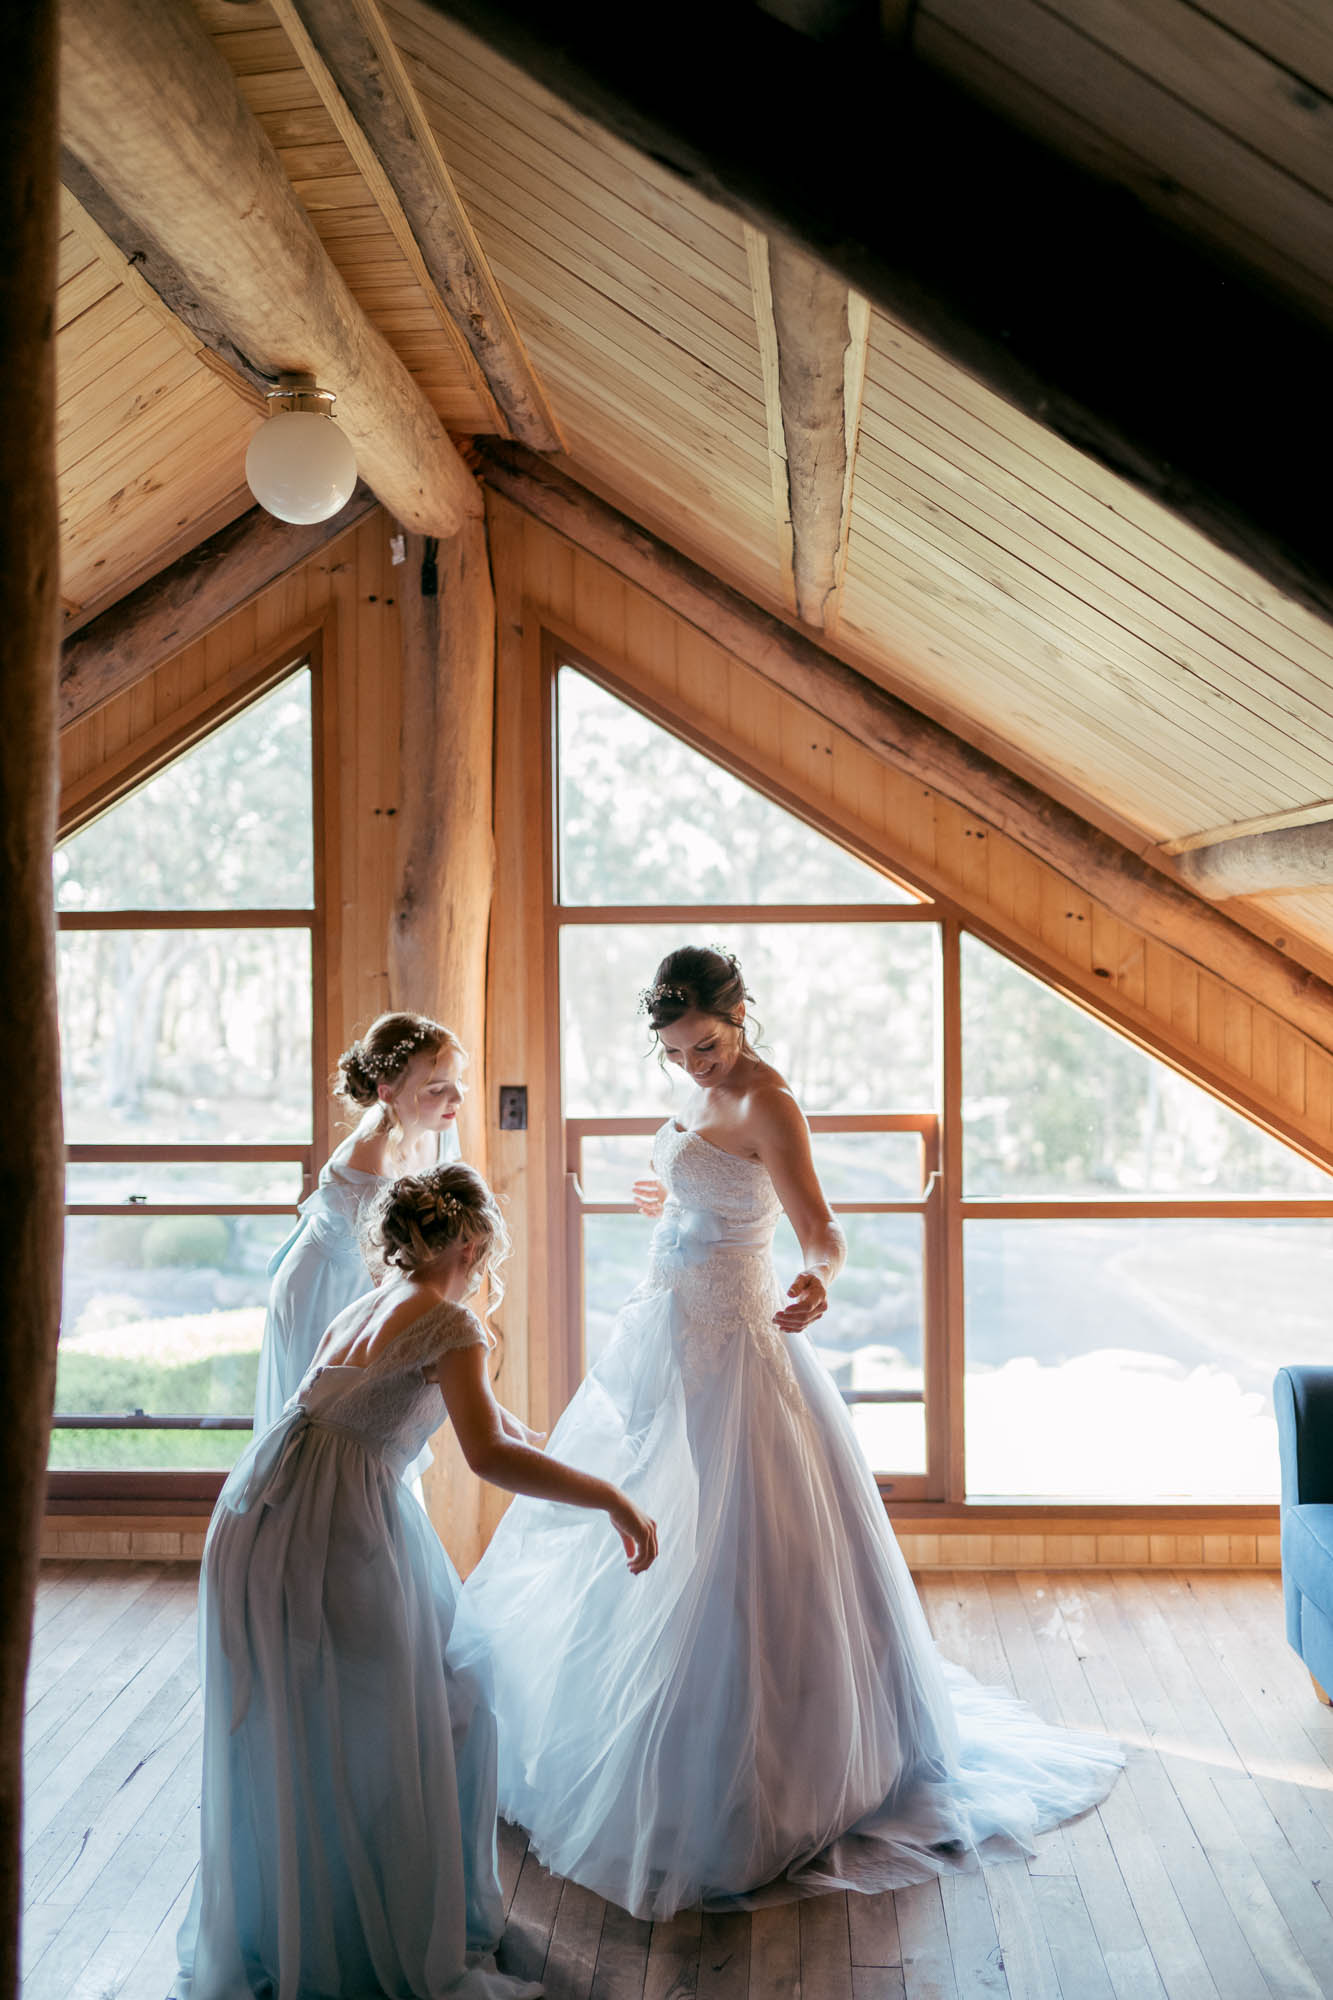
(198, 1241)
(91, 1385)
(226, 824)
(1055, 1103)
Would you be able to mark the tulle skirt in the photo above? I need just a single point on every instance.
(763, 1714)
(348, 1826)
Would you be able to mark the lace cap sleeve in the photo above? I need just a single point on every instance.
(445, 1328)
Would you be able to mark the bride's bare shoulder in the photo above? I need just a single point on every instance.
(769, 1099)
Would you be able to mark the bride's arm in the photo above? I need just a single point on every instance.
(781, 1137)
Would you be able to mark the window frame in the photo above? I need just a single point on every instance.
(133, 1488)
(942, 1495)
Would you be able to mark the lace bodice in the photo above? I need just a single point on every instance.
(389, 1406)
(712, 1250)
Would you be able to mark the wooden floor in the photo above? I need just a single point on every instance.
(1208, 1872)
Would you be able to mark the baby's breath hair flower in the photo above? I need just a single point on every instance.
(653, 996)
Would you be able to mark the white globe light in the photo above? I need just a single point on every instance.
(300, 466)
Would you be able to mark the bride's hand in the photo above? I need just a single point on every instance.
(808, 1299)
(636, 1531)
(649, 1196)
(515, 1428)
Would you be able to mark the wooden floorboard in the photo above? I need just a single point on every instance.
(1207, 1874)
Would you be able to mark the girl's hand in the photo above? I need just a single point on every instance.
(649, 1196)
(809, 1301)
(636, 1531)
(515, 1428)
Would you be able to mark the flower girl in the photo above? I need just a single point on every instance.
(349, 1791)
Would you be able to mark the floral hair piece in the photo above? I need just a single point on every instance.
(389, 1061)
(653, 996)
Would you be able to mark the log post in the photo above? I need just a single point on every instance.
(32, 1162)
(446, 864)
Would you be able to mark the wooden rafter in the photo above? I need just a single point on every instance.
(1259, 864)
(131, 250)
(1057, 291)
(910, 742)
(151, 110)
(353, 62)
(187, 599)
(813, 335)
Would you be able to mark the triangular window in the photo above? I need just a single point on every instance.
(227, 825)
(645, 819)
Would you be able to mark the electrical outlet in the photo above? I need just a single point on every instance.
(513, 1107)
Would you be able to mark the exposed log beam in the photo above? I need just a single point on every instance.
(1236, 829)
(910, 742)
(1056, 290)
(132, 250)
(151, 110)
(441, 916)
(353, 62)
(187, 599)
(813, 335)
(32, 1174)
(1257, 864)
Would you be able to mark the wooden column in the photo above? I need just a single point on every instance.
(446, 863)
(32, 1160)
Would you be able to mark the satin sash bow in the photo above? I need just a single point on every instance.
(686, 1237)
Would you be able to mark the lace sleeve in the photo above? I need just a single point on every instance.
(445, 1328)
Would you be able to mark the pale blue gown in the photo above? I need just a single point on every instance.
(763, 1713)
(318, 1272)
(348, 1826)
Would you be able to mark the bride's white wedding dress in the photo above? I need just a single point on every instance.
(765, 1706)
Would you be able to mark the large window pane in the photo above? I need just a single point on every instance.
(181, 1037)
(615, 1260)
(849, 1013)
(1054, 1103)
(1134, 1360)
(226, 826)
(871, 1337)
(646, 819)
(162, 1315)
(201, 1181)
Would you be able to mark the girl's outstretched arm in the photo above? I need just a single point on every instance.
(502, 1460)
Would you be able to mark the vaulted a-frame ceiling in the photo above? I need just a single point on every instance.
(971, 558)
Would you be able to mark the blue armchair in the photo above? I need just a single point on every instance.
(1304, 1402)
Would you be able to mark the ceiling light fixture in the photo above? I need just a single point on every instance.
(299, 465)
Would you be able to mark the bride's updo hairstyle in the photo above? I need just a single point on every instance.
(702, 978)
(382, 1056)
(421, 1215)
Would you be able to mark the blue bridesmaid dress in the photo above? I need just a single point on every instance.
(348, 1827)
(763, 1714)
(318, 1272)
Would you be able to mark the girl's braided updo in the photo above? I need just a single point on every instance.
(417, 1217)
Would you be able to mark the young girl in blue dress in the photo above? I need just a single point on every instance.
(349, 1794)
(405, 1078)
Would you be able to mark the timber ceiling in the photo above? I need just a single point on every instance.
(991, 574)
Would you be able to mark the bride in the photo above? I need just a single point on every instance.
(769, 1712)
